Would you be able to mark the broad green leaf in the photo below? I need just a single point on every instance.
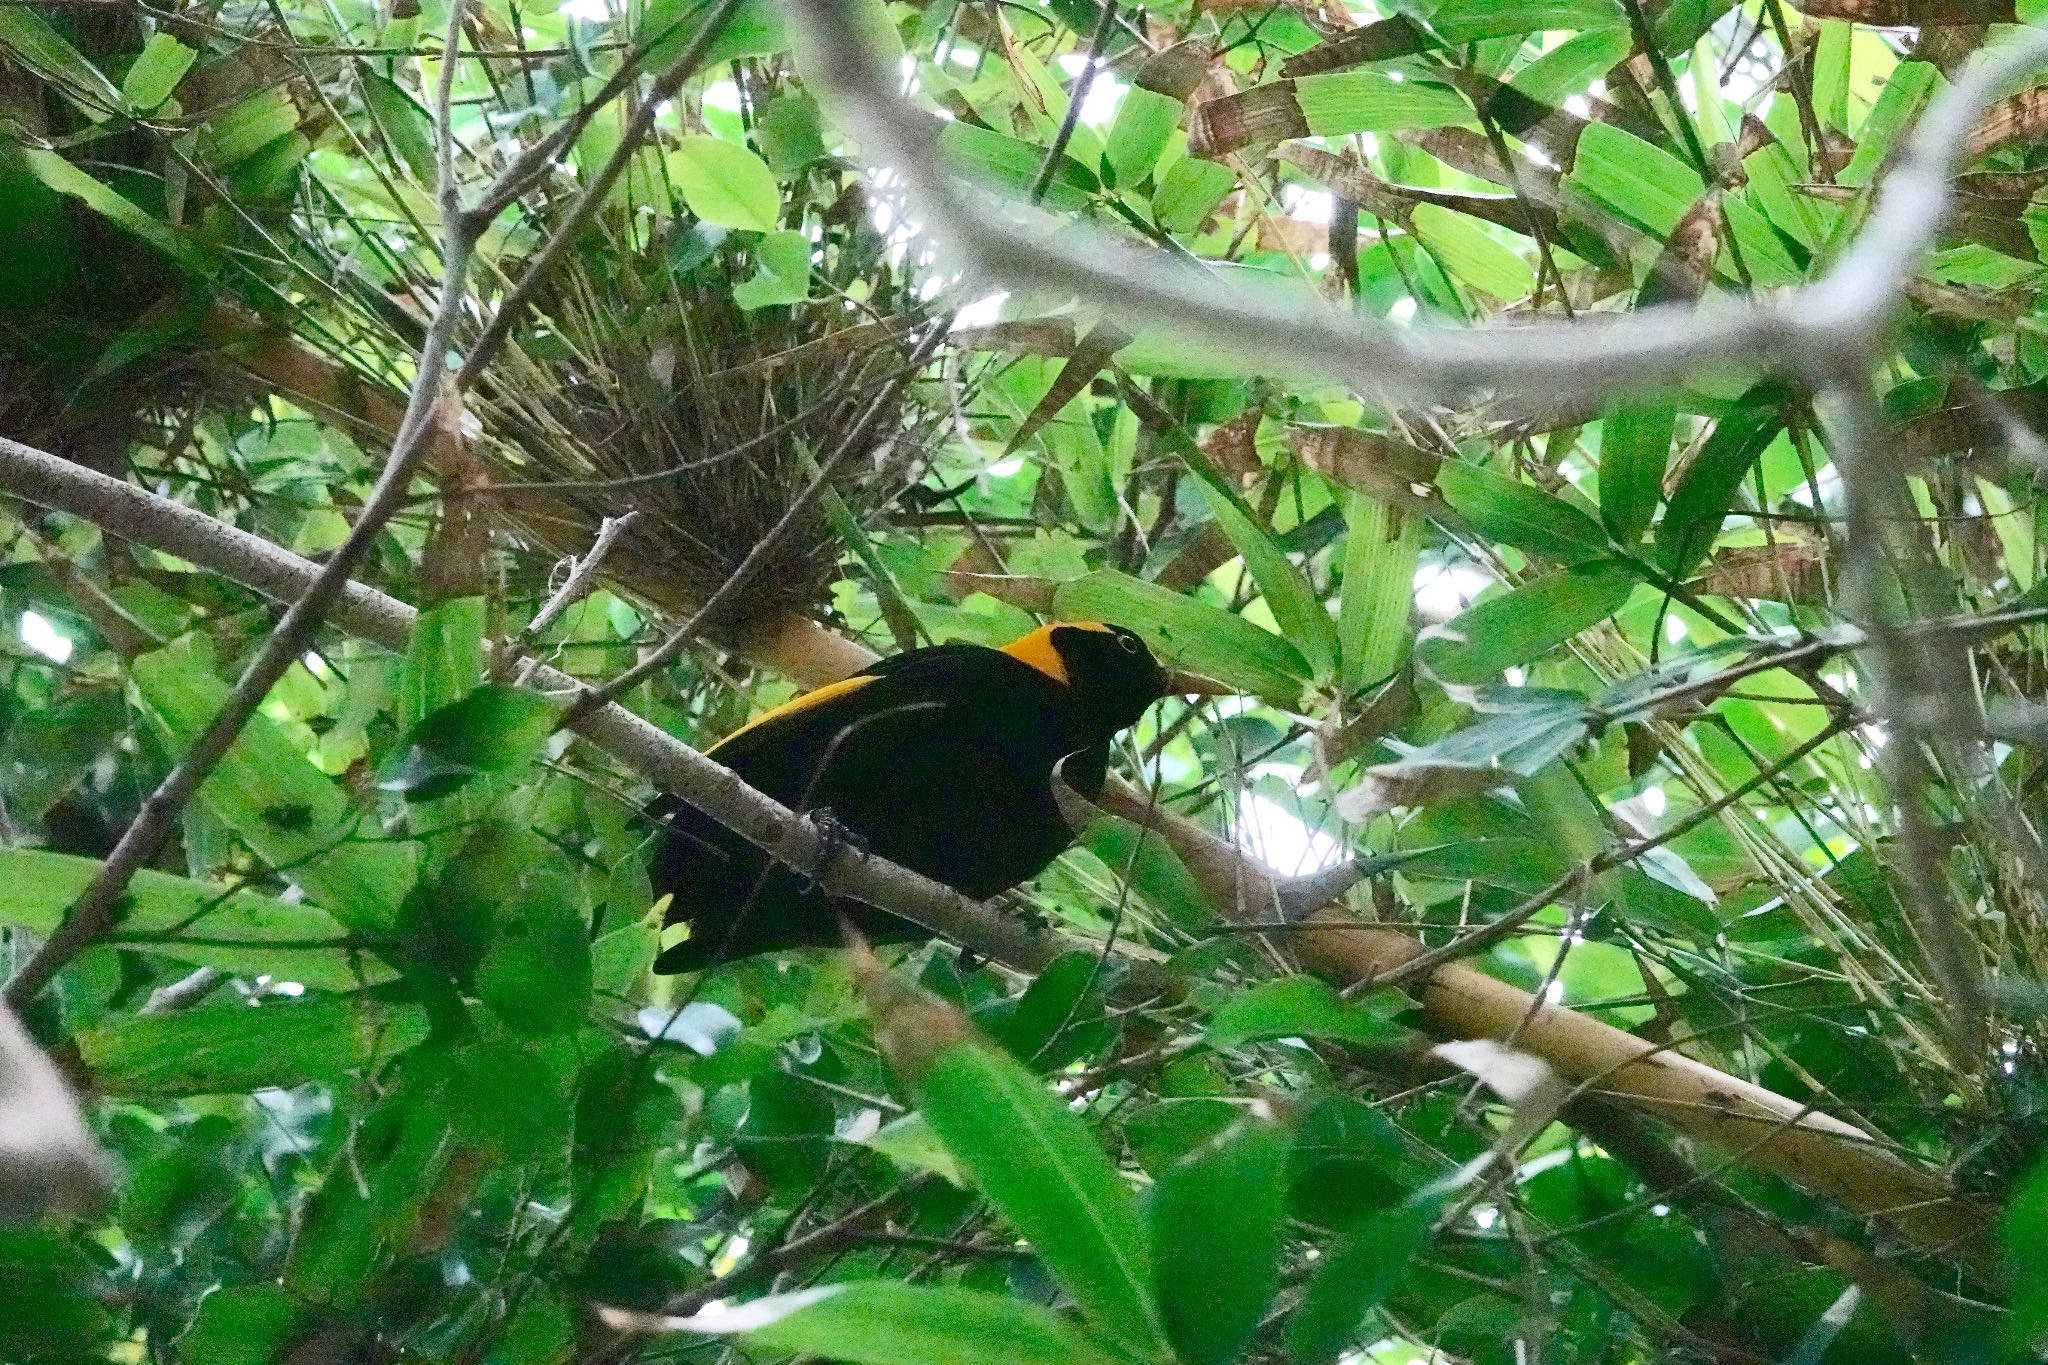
(1012, 164)
(1191, 633)
(444, 658)
(1700, 504)
(202, 923)
(242, 1324)
(1521, 731)
(782, 275)
(1144, 124)
(724, 183)
(245, 128)
(1355, 1276)
(1038, 1163)
(1566, 70)
(1374, 102)
(1382, 546)
(494, 729)
(1521, 626)
(1297, 1007)
(754, 29)
(1645, 184)
(402, 120)
(1635, 444)
(1471, 21)
(230, 1046)
(1293, 600)
(790, 134)
(1472, 254)
(1906, 92)
(1526, 517)
(65, 178)
(156, 71)
(1218, 1220)
(292, 815)
(1189, 193)
(884, 1322)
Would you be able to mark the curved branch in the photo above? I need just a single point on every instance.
(1845, 313)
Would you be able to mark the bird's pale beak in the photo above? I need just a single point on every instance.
(1180, 682)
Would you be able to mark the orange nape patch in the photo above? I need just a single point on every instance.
(817, 696)
(1037, 650)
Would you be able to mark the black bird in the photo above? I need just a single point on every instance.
(940, 759)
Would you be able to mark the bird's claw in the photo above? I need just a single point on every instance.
(834, 836)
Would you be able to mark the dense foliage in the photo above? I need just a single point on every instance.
(1703, 720)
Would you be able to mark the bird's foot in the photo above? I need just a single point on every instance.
(834, 837)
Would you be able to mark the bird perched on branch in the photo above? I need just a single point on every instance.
(940, 759)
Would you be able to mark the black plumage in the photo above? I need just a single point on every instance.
(940, 759)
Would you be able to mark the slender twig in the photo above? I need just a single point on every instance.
(1056, 153)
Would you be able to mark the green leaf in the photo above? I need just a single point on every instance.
(1523, 731)
(1374, 102)
(1293, 600)
(242, 1324)
(234, 1047)
(1382, 546)
(292, 815)
(1642, 183)
(1526, 517)
(65, 178)
(50, 55)
(203, 923)
(790, 133)
(444, 657)
(1472, 254)
(1218, 1224)
(1471, 21)
(494, 729)
(783, 275)
(1192, 633)
(1010, 164)
(1355, 1276)
(1635, 445)
(754, 29)
(1189, 193)
(1700, 504)
(724, 183)
(407, 125)
(883, 1322)
(156, 71)
(1297, 1007)
(1144, 124)
(1038, 1163)
(1520, 626)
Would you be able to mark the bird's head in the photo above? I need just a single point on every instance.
(1111, 675)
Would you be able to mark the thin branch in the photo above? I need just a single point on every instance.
(1847, 311)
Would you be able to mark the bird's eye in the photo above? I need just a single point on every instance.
(1129, 643)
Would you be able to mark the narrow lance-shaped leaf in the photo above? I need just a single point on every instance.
(1218, 1225)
